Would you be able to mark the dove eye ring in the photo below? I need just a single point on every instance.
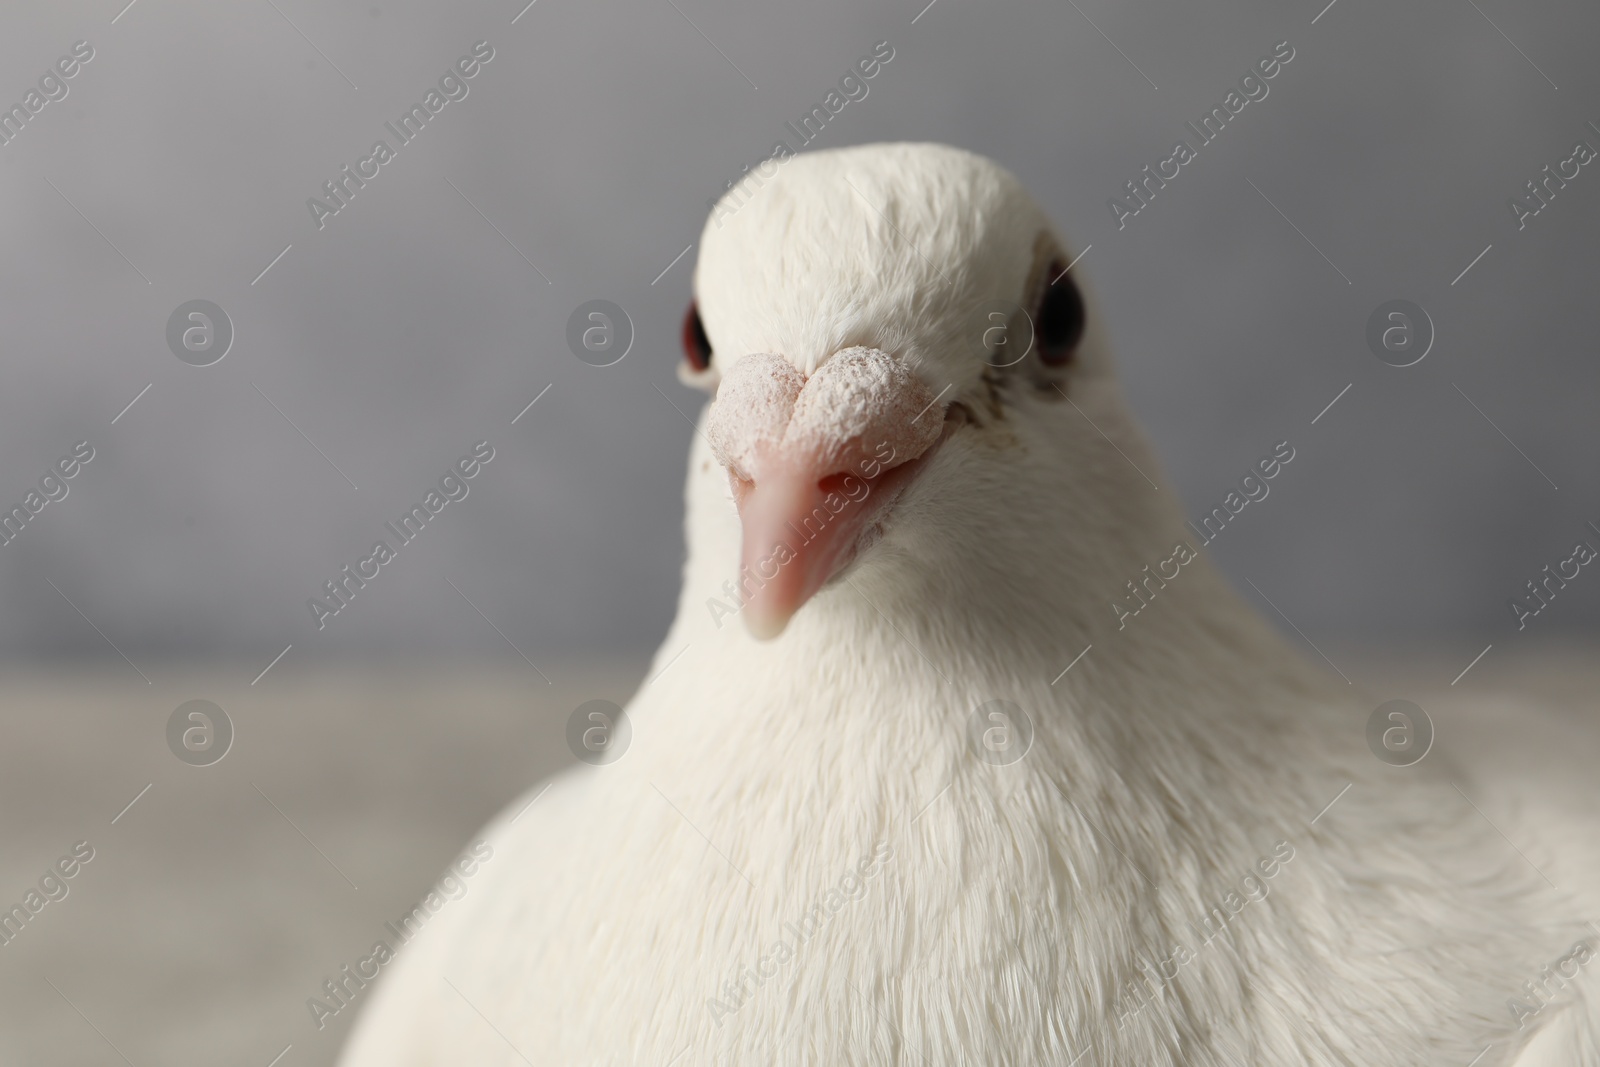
(696, 345)
(1060, 319)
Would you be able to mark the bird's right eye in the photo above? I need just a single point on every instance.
(696, 345)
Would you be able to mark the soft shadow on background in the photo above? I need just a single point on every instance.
(373, 351)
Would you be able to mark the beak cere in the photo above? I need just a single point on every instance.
(814, 464)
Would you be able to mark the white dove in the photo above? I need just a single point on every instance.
(866, 818)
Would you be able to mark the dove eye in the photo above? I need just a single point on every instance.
(1059, 321)
(696, 345)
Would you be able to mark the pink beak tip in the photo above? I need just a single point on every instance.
(765, 625)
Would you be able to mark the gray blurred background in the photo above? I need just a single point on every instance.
(373, 352)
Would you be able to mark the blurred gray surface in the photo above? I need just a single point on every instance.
(217, 904)
(408, 328)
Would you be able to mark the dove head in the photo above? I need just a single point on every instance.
(895, 345)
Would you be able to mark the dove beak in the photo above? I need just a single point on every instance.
(803, 524)
(815, 463)
(785, 567)
(797, 535)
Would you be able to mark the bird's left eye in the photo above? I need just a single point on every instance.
(696, 345)
(1060, 319)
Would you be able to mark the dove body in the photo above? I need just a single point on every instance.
(1036, 865)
